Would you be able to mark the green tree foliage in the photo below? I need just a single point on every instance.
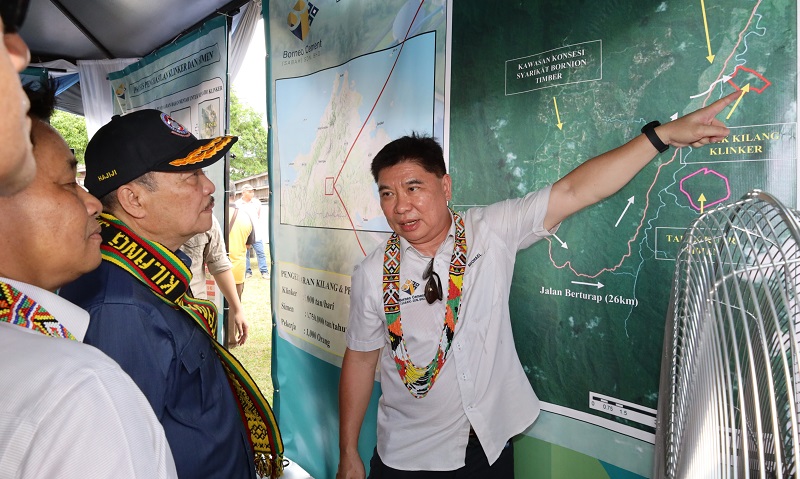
(249, 154)
(73, 129)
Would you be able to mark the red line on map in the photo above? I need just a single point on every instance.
(350, 219)
(366, 120)
(568, 264)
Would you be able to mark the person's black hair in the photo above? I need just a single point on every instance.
(42, 97)
(421, 149)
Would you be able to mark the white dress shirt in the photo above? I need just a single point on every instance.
(482, 383)
(67, 410)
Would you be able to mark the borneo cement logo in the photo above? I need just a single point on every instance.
(120, 91)
(409, 287)
(301, 17)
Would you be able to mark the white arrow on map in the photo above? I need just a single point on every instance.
(563, 245)
(597, 285)
(723, 79)
(630, 202)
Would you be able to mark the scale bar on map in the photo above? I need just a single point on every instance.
(623, 409)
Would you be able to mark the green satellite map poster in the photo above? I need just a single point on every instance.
(539, 87)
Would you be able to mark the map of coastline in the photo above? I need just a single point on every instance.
(334, 121)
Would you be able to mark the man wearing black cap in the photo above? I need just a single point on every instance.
(146, 170)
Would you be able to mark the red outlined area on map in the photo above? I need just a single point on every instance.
(739, 68)
(767, 83)
(364, 124)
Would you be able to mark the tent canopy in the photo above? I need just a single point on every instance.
(59, 33)
(104, 29)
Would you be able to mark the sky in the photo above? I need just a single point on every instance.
(250, 83)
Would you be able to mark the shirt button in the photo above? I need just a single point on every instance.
(458, 345)
(464, 376)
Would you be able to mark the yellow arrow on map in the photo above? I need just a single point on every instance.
(558, 117)
(746, 89)
(702, 200)
(710, 56)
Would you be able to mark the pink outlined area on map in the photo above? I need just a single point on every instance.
(684, 185)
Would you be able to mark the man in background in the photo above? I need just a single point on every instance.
(207, 250)
(240, 229)
(251, 205)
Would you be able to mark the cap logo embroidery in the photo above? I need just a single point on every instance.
(173, 125)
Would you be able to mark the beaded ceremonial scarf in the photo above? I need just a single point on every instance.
(18, 308)
(168, 278)
(419, 380)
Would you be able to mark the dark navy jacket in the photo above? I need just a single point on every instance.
(174, 364)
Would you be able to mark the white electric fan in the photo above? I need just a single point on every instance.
(728, 401)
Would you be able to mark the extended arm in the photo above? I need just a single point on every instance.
(219, 265)
(355, 389)
(238, 325)
(604, 175)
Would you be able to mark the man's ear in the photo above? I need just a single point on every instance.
(447, 186)
(132, 199)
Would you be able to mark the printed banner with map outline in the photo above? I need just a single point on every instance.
(347, 78)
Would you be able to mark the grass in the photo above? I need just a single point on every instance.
(256, 354)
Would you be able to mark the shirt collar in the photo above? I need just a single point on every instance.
(447, 243)
(75, 319)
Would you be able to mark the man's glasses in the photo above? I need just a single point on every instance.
(13, 13)
(433, 288)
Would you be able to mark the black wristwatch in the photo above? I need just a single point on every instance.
(650, 131)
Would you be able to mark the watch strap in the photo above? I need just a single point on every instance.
(650, 132)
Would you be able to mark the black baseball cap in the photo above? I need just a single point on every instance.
(143, 141)
(13, 14)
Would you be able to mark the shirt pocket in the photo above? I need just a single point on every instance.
(196, 387)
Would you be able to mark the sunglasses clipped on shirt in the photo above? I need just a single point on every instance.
(433, 288)
(13, 14)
